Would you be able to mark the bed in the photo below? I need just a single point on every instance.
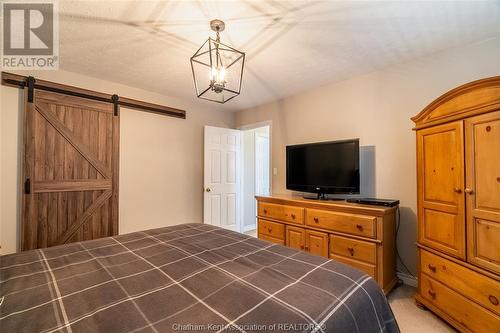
(189, 277)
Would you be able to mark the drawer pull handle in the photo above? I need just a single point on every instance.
(493, 300)
(265, 211)
(351, 250)
(360, 227)
(432, 293)
(302, 247)
(316, 220)
(306, 248)
(270, 229)
(432, 268)
(293, 216)
(457, 190)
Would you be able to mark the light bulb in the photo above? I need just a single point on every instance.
(217, 81)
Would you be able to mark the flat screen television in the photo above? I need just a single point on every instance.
(323, 167)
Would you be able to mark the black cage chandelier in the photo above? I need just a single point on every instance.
(217, 68)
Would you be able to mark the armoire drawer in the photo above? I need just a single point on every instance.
(463, 310)
(352, 248)
(281, 212)
(359, 225)
(272, 229)
(475, 286)
(362, 266)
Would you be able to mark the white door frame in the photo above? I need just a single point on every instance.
(249, 127)
(257, 125)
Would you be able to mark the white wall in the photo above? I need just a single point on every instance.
(376, 108)
(161, 158)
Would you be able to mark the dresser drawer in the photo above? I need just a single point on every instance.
(359, 225)
(273, 229)
(367, 268)
(272, 239)
(281, 212)
(352, 248)
(472, 285)
(466, 312)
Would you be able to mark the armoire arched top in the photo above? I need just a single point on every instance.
(468, 100)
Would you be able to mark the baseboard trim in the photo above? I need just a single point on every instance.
(408, 279)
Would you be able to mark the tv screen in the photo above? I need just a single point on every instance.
(324, 167)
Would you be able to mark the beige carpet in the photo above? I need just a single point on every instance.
(412, 319)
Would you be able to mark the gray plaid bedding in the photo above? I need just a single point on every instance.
(185, 278)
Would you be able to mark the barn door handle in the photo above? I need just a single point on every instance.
(27, 186)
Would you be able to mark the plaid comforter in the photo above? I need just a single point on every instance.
(189, 277)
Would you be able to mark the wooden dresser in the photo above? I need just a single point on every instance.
(358, 235)
(458, 172)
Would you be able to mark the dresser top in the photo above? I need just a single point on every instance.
(341, 206)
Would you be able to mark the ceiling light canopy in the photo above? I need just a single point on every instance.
(217, 68)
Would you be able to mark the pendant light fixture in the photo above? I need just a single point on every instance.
(217, 68)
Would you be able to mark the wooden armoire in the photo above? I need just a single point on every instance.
(458, 181)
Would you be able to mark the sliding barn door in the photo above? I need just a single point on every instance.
(70, 170)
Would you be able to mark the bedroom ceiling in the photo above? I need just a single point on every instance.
(291, 46)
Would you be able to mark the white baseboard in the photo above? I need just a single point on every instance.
(408, 279)
(247, 228)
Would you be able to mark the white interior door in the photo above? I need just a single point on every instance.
(222, 206)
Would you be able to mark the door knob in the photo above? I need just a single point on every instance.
(468, 190)
(208, 189)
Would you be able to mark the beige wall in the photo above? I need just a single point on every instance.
(376, 108)
(161, 158)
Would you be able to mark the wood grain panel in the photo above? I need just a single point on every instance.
(317, 242)
(474, 317)
(360, 225)
(295, 237)
(353, 248)
(71, 159)
(478, 287)
(441, 201)
(483, 195)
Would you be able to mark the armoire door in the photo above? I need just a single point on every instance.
(440, 168)
(295, 237)
(482, 141)
(317, 243)
(70, 170)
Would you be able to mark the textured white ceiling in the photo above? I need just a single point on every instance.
(291, 46)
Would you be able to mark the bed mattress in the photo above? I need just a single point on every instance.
(189, 277)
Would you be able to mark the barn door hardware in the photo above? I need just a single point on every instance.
(116, 109)
(22, 82)
(30, 83)
(27, 186)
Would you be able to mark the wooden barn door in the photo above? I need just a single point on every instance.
(70, 170)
